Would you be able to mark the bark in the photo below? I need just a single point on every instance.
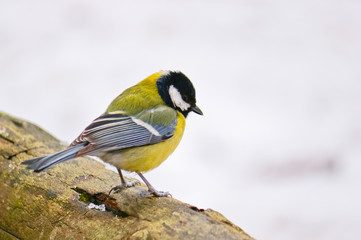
(55, 204)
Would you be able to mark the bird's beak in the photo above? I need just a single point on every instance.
(197, 110)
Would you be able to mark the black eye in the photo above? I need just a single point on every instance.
(185, 98)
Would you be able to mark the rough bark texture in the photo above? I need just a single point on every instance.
(54, 204)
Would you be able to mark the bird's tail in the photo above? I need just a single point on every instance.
(41, 163)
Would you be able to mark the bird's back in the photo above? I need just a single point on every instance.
(135, 99)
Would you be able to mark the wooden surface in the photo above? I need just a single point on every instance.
(55, 204)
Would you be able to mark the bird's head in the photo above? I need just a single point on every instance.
(177, 91)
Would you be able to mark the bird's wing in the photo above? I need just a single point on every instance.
(116, 130)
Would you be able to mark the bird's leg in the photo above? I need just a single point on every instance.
(151, 189)
(125, 184)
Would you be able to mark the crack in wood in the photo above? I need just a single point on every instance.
(7, 139)
(101, 198)
(15, 154)
(9, 233)
(22, 151)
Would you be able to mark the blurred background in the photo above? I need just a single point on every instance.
(278, 150)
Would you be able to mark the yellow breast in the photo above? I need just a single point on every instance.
(142, 159)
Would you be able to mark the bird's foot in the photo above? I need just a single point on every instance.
(153, 193)
(127, 184)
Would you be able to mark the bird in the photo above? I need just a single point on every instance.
(137, 132)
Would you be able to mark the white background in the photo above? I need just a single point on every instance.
(278, 150)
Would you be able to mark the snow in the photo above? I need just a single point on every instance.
(100, 207)
(279, 146)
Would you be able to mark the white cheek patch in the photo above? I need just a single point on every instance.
(177, 98)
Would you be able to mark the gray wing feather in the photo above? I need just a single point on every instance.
(114, 131)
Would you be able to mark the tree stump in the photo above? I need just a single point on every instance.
(71, 201)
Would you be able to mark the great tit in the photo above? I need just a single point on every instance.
(138, 131)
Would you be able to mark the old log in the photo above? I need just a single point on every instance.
(70, 200)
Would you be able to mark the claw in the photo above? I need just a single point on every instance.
(154, 193)
(151, 189)
(127, 184)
